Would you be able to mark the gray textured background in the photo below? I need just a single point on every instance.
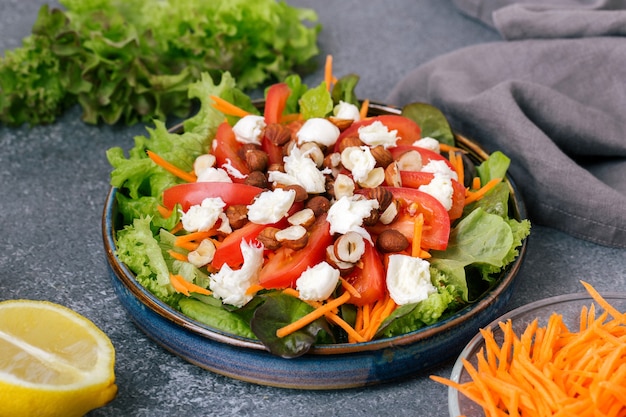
(53, 181)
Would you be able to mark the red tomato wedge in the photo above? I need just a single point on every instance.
(408, 130)
(229, 250)
(286, 265)
(436, 229)
(413, 179)
(369, 278)
(193, 193)
(426, 154)
(225, 147)
(275, 102)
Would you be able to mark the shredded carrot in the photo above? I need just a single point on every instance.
(365, 107)
(382, 309)
(181, 285)
(253, 289)
(172, 169)
(227, 107)
(177, 255)
(550, 370)
(352, 334)
(480, 193)
(449, 148)
(475, 183)
(348, 287)
(418, 225)
(292, 292)
(177, 228)
(164, 211)
(312, 316)
(328, 72)
(457, 162)
(193, 237)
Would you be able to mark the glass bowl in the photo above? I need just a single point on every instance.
(569, 306)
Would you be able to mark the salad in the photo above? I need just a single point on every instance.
(306, 220)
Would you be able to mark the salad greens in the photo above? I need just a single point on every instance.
(133, 60)
(482, 242)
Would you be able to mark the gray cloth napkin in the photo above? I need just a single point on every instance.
(553, 98)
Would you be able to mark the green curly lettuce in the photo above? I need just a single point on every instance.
(133, 60)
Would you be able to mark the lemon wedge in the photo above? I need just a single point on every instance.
(53, 361)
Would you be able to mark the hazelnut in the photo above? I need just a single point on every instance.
(382, 195)
(301, 193)
(313, 151)
(342, 124)
(391, 240)
(237, 215)
(304, 218)
(343, 267)
(392, 175)
(349, 247)
(410, 161)
(293, 237)
(277, 133)
(319, 204)
(268, 238)
(390, 213)
(382, 156)
(257, 179)
(256, 159)
(350, 141)
(276, 166)
(374, 178)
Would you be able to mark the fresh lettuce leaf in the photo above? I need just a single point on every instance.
(431, 121)
(493, 167)
(316, 102)
(216, 317)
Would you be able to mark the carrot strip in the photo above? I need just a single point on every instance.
(172, 169)
(253, 289)
(480, 193)
(177, 228)
(449, 148)
(457, 162)
(365, 106)
(603, 303)
(328, 71)
(352, 334)
(181, 285)
(292, 292)
(227, 107)
(312, 316)
(177, 255)
(348, 287)
(475, 183)
(164, 211)
(418, 225)
(193, 236)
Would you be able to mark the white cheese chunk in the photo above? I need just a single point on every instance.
(428, 143)
(213, 175)
(300, 170)
(232, 171)
(347, 214)
(231, 285)
(202, 217)
(440, 167)
(318, 130)
(441, 188)
(317, 283)
(408, 279)
(359, 161)
(271, 206)
(376, 134)
(249, 129)
(347, 111)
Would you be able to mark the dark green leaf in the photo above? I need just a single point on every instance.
(431, 120)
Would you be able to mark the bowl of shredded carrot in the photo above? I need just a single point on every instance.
(561, 356)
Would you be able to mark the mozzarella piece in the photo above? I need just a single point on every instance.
(271, 206)
(440, 167)
(318, 130)
(202, 217)
(317, 283)
(347, 215)
(231, 285)
(408, 279)
(213, 175)
(232, 171)
(376, 134)
(249, 129)
(359, 160)
(347, 111)
(441, 188)
(428, 143)
(300, 170)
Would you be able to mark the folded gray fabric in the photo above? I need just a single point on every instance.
(556, 107)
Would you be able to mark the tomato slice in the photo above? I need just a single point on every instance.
(436, 229)
(413, 179)
(369, 278)
(229, 250)
(426, 154)
(225, 147)
(408, 130)
(193, 193)
(286, 265)
(275, 102)
(274, 152)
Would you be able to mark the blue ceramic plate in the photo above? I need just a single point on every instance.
(324, 367)
(569, 306)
